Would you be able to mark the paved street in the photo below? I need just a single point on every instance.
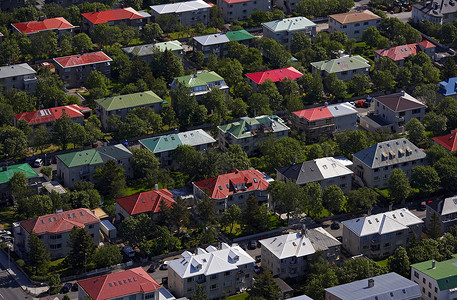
(9, 289)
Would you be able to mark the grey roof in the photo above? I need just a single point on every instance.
(386, 286)
(212, 39)
(342, 109)
(390, 153)
(180, 7)
(290, 24)
(321, 239)
(445, 207)
(149, 49)
(302, 297)
(437, 8)
(16, 70)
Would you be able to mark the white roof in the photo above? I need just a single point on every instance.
(195, 137)
(342, 109)
(383, 223)
(290, 24)
(330, 167)
(210, 261)
(180, 7)
(16, 70)
(212, 39)
(449, 206)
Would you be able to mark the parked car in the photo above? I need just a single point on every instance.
(152, 268)
(128, 251)
(6, 238)
(253, 244)
(164, 267)
(66, 288)
(335, 225)
(422, 206)
(37, 163)
(74, 288)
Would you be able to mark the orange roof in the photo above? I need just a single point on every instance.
(146, 202)
(427, 44)
(47, 24)
(313, 114)
(354, 16)
(99, 17)
(51, 114)
(448, 141)
(399, 52)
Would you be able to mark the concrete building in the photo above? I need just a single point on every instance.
(75, 69)
(447, 141)
(287, 255)
(437, 280)
(220, 272)
(80, 166)
(146, 51)
(233, 10)
(250, 132)
(54, 231)
(283, 30)
(233, 189)
(448, 88)
(188, 13)
(201, 83)
(398, 54)
(20, 77)
(439, 12)
(326, 171)
(277, 75)
(386, 286)
(353, 23)
(446, 210)
(127, 15)
(373, 165)
(164, 146)
(217, 43)
(377, 236)
(7, 172)
(123, 104)
(58, 25)
(344, 67)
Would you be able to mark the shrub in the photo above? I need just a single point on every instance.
(20, 263)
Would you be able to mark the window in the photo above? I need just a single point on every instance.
(214, 276)
(227, 283)
(54, 247)
(227, 273)
(423, 290)
(423, 280)
(429, 285)
(429, 295)
(133, 297)
(55, 237)
(365, 23)
(148, 296)
(213, 286)
(189, 279)
(436, 290)
(356, 31)
(357, 25)
(416, 274)
(91, 226)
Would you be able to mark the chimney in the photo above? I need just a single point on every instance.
(403, 93)
(156, 186)
(303, 230)
(390, 206)
(433, 264)
(370, 282)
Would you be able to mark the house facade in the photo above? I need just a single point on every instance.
(20, 77)
(201, 83)
(58, 25)
(446, 210)
(220, 272)
(447, 141)
(283, 30)
(75, 69)
(373, 165)
(146, 51)
(353, 23)
(237, 10)
(377, 236)
(344, 67)
(7, 172)
(439, 12)
(127, 15)
(217, 43)
(277, 75)
(398, 54)
(54, 231)
(188, 13)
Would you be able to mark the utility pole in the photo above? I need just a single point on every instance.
(85, 262)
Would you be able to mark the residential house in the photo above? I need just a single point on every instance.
(121, 105)
(52, 186)
(217, 43)
(344, 67)
(237, 10)
(447, 141)
(164, 146)
(373, 165)
(353, 23)
(127, 15)
(398, 54)
(446, 211)
(146, 51)
(377, 236)
(11, 5)
(436, 279)
(132, 284)
(58, 25)
(287, 255)
(240, 36)
(220, 272)
(435, 11)
(448, 88)
(201, 83)
(46, 117)
(80, 166)
(54, 231)
(233, 189)
(149, 202)
(250, 132)
(7, 172)
(283, 30)
(277, 75)
(386, 286)
(19, 77)
(326, 171)
(188, 13)
(398, 109)
(75, 69)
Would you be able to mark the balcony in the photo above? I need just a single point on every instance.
(200, 280)
(399, 119)
(29, 79)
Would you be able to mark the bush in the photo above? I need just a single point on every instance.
(47, 171)
(20, 263)
(39, 278)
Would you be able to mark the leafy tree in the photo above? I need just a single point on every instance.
(315, 151)
(61, 133)
(6, 114)
(269, 89)
(200, 293)
(216, 19)
(404, 77)
(259, 104)
(337, 88)
(20, 100)
(97, 80)
(435, 153)
(435, 231)
(281, 152)
(416, 132)
(275, 53)
(265, 286)
(255, 217)
(104, 35)
(82, 42)
(399, 262)
(135, 229)
(448, 108)
(110, 180)
(361, 198)
(81, 248)
(321, 276)
(215, 102)
(358, 269)
(93, 127)
(38, 258)
(300, 41)
(435, 122)
(179, 214)
(288, 197)
(46, 171)
(311, 86)
(238, 107)
(136, 4)
(206, 211)
(107, 256)
(373, 38)
(350, 142)
(425, 179)
(13, 140)
(78, 135)
(333, 198)
(234, 158)
(18, 185)
(360, 84)
(43, 44)
(447, 170)
(169, 23)
(449, 69)
(231, 216)
(39, 205)
(383, 80)
(145, 163)
(315, 205)
(398, 186)
(26, 13)
(189, 160)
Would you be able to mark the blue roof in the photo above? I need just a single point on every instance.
(448, 87)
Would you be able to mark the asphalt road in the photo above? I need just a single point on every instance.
(9, 289)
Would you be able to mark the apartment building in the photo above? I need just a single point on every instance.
(217, 43)
(237, 10)
(188, 13)
(344, 67)
(353, 23)
(221, 272)
(201, 83)
(20, 77)
(233, 189)
(377, 236)
(146, 51)
(277, 75)
(435, 11)
(447, 141)
(283, 30)
(127, 15)
(398, 54)
(58, 25)
(446, 210)
(7, 172)
(54, 231)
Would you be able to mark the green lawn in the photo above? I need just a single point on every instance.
(180, 34)
(139, 186)
(275, 222)
(8, 215)
(239, 296)
(382, 263)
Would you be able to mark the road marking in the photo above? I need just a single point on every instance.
(2, 296)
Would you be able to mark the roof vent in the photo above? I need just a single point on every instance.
(370, 282)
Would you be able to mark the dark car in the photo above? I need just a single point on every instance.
(335, 225)
(66, 288)
(422, 206)
(74, 288)
(152, 268)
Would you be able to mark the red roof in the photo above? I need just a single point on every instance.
(401, 52)
(313, 114)
(99, 17)
(448, 141)
(210, 4)
(60, 222)
(47, 24)
(222, 186)
(427, 44)
(146, 201)
(119, 284)
(235, 1)
(1, 34)
(82, 59)
(275, 75)
(51, 114)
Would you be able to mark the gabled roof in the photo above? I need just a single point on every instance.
(448, 87)
(60, 222)
(129, 100)
(275, 75)
(342, 109)
(198, 79)
(354, 16)
(399, 52)
(445, 272)
(290, 24)
(100, 17)
(383, 223)
(16, 70)
(119, 284)
(313, 114)
(180, 7)
(212, 39)
(400, 101)
(7, 172)
(146, 201)
(346, 63)
(47, 24)
(239, 35)
(172, 141)
(448, 141)
(445, 207)
(247, 127)
(95, 156)
(51, 114)
(148, 49)
(82, 59)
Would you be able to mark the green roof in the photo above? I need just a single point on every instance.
(130, 100)
(290, 24)
(94, 156)
(201, 79)
(171, 45)
(162, 143)
(6, 175)
(239, 35)
(342, 64)
(247, 127)
(445, 272)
